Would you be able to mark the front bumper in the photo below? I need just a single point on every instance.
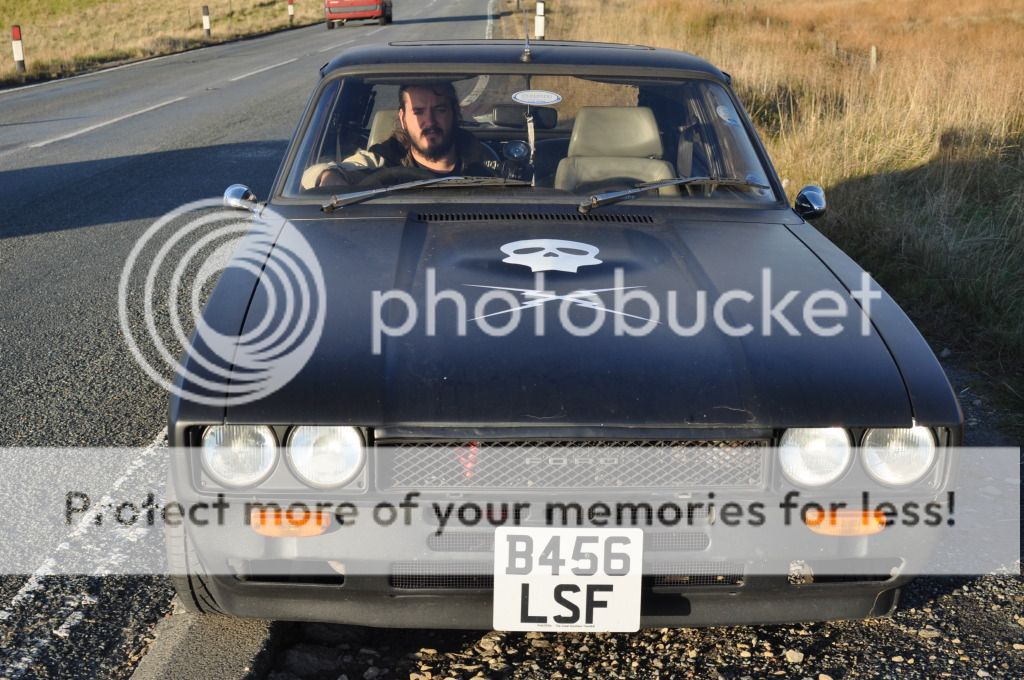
(369, 601)
(405, 577)
(696, 574)
(358, 12)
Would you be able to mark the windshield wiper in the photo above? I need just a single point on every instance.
(341, 200)
(711, 183)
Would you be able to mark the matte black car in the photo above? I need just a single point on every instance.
(615, 196)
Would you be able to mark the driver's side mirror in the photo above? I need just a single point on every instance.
(810, 202)
(239, 197)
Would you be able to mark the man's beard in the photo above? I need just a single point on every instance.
(437, 150)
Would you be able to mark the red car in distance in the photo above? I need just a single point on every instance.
(336, 11)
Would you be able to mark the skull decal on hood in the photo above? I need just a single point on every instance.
(547, 254)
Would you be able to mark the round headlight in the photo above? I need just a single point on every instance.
(898, 456)
(814, 456)
(239, 455)
(325, 456)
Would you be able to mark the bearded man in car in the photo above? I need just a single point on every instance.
(428, 139)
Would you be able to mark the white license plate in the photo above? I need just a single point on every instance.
(567, 579)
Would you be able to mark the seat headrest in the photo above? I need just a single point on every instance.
(622, 131)
(384, 123)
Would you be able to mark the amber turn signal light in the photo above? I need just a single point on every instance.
(282, 523)
(845, 522)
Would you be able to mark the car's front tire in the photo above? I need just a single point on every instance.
(330, 25)
(188, 576)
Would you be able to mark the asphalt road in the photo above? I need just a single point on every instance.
(86, 165)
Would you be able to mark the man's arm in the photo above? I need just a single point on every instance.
(335, 174)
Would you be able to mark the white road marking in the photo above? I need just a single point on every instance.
(261, 70)
(27, 593)
(482, 81)
(336, 46)
(105, 123)
(22, 88)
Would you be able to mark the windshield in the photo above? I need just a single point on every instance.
(556, 136)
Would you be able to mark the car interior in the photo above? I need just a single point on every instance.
(605, 134)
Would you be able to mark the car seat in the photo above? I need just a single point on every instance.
(613, 146)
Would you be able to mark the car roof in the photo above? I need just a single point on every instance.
(448, 53)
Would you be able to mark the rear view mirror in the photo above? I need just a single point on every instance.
(514, 116)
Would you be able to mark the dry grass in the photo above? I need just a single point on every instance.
(922, 160)
(62, 37)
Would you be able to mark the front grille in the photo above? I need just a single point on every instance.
(442, 575)
(703, 573)
(527, 465)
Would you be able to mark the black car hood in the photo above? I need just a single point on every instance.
(556, 379)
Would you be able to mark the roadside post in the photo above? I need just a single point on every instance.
(291, 12)
(19, 50)
(206, 20)
(538, 22)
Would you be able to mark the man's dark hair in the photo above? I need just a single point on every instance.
(442, 89)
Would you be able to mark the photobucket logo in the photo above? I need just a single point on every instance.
(632, 310)
(171, 271)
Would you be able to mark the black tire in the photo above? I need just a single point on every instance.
(330, 25)
(188, 576)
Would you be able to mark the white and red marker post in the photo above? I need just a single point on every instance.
(291, 12)
(206, 20)
(19, 49)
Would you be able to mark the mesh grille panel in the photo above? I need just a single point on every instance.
(687, 541)
(442, 575)
(705, 573)
(462, 542)
(572, 465)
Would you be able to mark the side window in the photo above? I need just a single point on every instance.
(318, 144)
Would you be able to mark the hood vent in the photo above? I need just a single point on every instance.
(610, 218)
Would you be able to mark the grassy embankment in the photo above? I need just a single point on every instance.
(922, 160)
(63, 37)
